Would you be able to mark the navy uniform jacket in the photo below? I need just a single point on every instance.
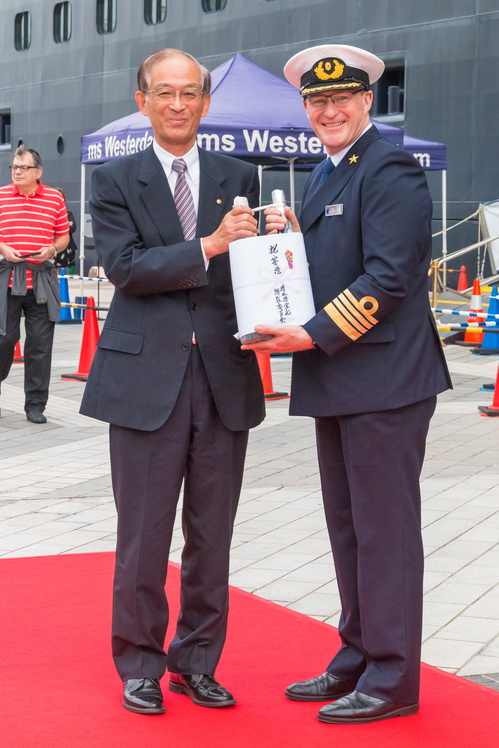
(378, 345)
(163, 293)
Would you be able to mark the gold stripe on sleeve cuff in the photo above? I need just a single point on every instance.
(364, 325)
(341, 305)
(339, 320)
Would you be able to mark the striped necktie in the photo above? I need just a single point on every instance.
(183, 200)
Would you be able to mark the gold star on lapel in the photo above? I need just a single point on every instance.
(353, 159)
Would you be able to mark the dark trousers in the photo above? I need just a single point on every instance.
(37, 348)
(147, 469)
(370, 466)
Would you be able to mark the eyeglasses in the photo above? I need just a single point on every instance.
(339, 100)
(21, 167)
(168, 95)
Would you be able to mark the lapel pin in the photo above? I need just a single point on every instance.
(353, 159)
(219, 202)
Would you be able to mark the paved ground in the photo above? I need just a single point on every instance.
(55, 497)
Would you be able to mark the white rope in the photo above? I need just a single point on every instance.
(457, 224)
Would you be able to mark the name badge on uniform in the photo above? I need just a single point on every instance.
(334, 210)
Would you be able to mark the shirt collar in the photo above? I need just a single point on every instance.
(38, 191)
(338, 156)
(191, 159)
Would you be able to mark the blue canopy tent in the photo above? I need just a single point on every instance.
(432, 156)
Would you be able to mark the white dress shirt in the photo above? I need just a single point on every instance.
(191, 159)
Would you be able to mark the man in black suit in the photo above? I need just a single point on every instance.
(172, 381)
(369, 368)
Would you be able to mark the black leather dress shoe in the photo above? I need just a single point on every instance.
(203, 690)
(143, 695)
(36, 417)
(358, 708)
(325, 687)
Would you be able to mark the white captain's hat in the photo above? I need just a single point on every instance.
(333, 66)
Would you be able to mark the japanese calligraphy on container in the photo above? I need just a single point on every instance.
(271, 281)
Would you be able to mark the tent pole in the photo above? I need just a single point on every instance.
(82, 225)
(444, 223)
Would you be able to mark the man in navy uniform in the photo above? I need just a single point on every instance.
(369, 367)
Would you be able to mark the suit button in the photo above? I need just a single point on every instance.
(179, 285)
(189, 284)
(194, 306)
(195, 282)
(185, 346)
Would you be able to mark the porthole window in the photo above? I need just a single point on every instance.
(106, 16)
(60, 145)
(211, 6)
(62, 22)
(5, 127)
(154, 11)
(22, 31)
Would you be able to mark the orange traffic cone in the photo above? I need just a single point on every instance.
(492, 410)
(462, 283)
(89, 340)
(266, 375)
(18, 356)
(474, 338)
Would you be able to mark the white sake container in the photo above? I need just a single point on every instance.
(271, 282)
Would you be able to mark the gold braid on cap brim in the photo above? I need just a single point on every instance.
(329, 86)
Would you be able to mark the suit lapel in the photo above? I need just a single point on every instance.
(158, 199)
(336, 182)
(212, 194)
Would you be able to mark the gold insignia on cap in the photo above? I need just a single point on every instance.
(353, 159)
(352, 316)
(329, 69)
(219, 202)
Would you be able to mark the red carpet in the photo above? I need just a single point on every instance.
(60, 690)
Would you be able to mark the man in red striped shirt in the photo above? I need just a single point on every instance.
(33, 228)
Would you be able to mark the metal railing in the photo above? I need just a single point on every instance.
(437, 264)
